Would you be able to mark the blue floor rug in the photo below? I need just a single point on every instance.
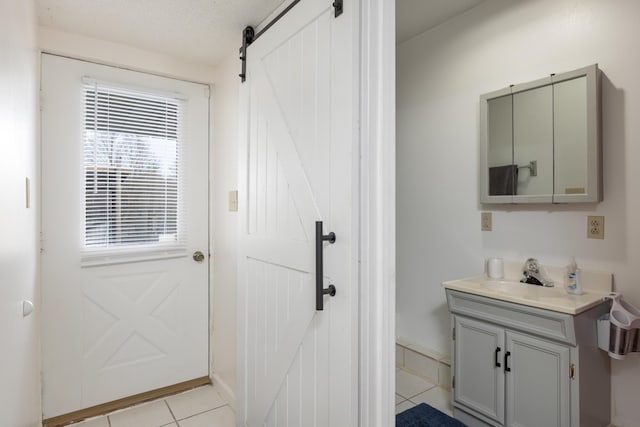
(424, 415)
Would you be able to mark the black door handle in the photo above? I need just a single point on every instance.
(498, 350)
(320, 289)
(506, 361)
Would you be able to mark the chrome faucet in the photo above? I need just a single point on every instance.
(533, 275)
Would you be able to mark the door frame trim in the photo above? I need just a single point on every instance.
(377, 213)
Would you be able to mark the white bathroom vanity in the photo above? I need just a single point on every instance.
(526, 355)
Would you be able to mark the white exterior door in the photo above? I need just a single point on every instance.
(121, 319)
(299, 153)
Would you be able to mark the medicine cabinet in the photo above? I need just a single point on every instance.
(540, 141)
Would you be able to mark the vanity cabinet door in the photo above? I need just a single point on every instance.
(478, 367)
(537, 382)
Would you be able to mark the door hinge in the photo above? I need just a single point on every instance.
(337, 5)
(453, 334)
(453, 382)
(572, 371)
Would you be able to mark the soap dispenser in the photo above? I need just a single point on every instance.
(574, 285)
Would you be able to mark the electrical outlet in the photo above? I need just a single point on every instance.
(486, 221)
(595, 227)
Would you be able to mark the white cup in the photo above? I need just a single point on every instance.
(495, 268)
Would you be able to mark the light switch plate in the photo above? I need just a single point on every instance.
(233, 201)
(486, 222)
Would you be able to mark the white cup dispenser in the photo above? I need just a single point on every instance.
(618, 331)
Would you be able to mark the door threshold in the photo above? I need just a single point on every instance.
(125, 402)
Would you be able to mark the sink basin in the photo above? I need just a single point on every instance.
(504, 286)
(522, 289)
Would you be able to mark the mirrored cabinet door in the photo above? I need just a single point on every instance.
(502, 174)
(570, 136)
(577, 140)
(533, 144)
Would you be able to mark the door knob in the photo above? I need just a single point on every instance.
(198, 256)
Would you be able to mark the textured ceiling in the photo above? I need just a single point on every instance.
(203, 31)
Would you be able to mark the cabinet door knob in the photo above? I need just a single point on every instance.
(506, 361)
(497, 358)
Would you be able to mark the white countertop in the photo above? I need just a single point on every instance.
(554, 298)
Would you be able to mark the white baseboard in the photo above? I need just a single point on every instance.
(227, 393)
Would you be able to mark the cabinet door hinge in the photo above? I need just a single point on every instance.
(572, 371)
(453, 334)
(453, 382)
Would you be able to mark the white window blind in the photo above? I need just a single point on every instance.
(132, 168)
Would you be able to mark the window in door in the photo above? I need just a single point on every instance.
(132, 169)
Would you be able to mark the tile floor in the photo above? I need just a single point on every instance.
(412, 390)
(204, 407)
(200, 407)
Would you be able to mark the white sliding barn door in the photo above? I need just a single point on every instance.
(124, 303)
(299, 148)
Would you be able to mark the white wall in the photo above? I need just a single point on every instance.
(440, 76)
(225, 223)
(20, 366)
(224, 80)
